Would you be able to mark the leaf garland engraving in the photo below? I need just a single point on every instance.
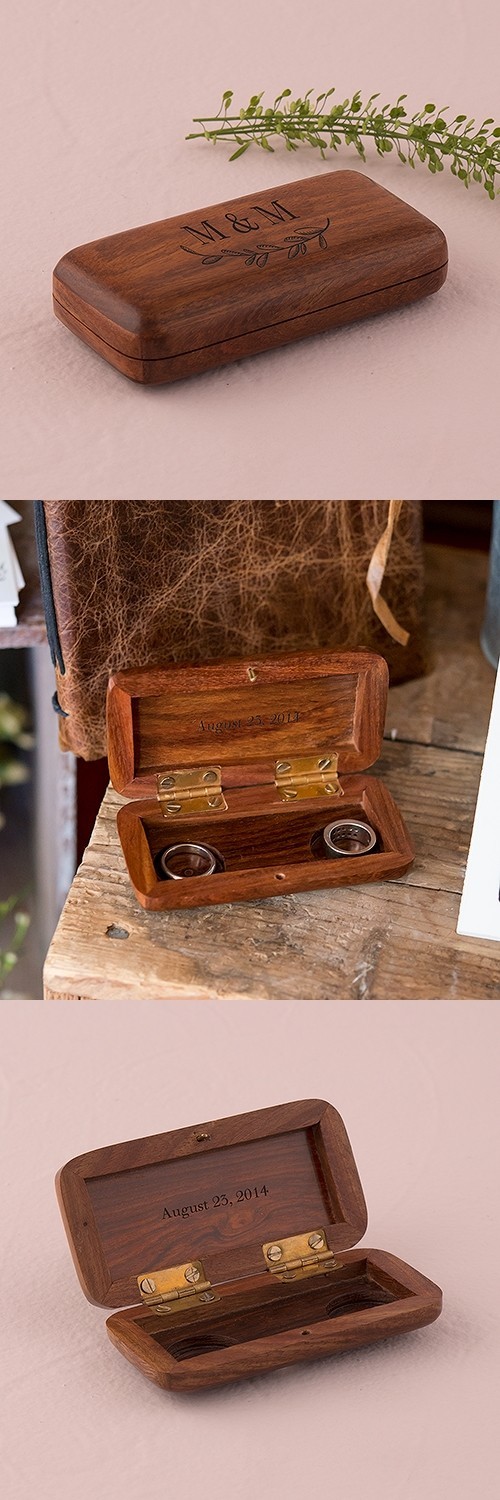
(293, 244)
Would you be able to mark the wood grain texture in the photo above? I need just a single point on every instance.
(113, 1199)
(390, 941)
(372, 1295)
(184, 295)
(245, 715)
(266, 845)
(146, 1205)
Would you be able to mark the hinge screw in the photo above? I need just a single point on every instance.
(167, 781)
(147, 1285)
(325, 763)
(275, 1252)
(315, 1241)
(210, 776)
(282, 766)
(191, 1274)
(174, 807)
(288, 793)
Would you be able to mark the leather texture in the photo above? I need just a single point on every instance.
(145, 582)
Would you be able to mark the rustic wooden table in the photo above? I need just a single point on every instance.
(376, 942)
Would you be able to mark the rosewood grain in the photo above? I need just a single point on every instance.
(245, 716)
(369, 1298)
(112, 1200)
(186, 294)
(118, 1208)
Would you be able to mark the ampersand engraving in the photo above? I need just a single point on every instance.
(240, 226)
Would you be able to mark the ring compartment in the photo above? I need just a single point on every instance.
(370, 1296)
(267, 850)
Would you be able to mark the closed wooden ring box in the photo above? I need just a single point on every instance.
(253, 758)
(186, 294)
(227, 1247)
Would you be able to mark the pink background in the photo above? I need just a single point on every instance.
(417, 1086)
(97, 99)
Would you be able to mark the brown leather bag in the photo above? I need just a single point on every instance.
(138, 582)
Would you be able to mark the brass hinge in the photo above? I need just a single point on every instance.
(301, 1255)
(186, 1285)
(195, 790)
(308, 776)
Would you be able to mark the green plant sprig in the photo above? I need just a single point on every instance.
(472, 151)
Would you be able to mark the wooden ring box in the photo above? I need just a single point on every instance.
(189, 293)
(227, 1247)
(253, 758)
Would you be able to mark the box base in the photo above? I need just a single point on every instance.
(268, 847)
(198, 361)
(265, 1324)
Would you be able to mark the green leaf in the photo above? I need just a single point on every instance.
(240, 151)
(471, 149)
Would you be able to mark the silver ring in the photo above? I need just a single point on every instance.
(180, 861)
(347, 837)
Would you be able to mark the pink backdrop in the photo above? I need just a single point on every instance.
(417, 1086)
(97, 99)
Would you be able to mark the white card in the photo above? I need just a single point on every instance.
(479, 914)
(20, 581)
(9, 592)
(8, 617)
(7, 515)
(11, 578)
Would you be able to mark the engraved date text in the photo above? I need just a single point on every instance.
(218, 1200)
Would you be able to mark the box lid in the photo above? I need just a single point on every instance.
(245, 715)
(248, 264)
(218, 1192)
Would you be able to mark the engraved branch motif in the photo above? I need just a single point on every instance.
(294, 244)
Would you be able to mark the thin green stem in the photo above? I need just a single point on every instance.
(472, 152)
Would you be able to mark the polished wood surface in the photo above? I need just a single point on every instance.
(267, 846)
(186, 294)
(244, 716)
(390, 941)
(218, 1191)
(372, 1295)
(113, 1200)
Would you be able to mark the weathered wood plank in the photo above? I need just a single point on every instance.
(373, 942)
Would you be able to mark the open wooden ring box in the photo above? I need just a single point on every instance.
(228, 1247)
(253, 759)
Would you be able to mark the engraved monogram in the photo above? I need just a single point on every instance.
(293, 244)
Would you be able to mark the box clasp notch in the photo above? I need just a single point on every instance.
(197, 789)
(299, 1256)
(176, 1286)
(307, 776)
